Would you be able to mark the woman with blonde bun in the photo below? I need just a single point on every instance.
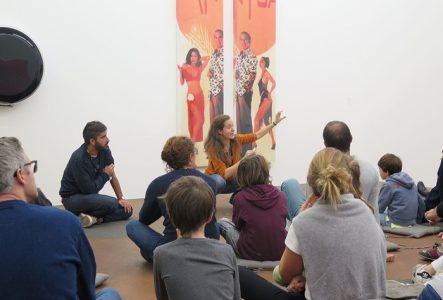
(337, 242)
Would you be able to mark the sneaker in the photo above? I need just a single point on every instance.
(87, 220)
(421, 188)
(419, 275)
(148, 258)
(431, 253)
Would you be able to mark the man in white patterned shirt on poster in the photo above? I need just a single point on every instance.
(245, 70)
(215, 75)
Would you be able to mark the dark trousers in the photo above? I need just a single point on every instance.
(215, 106)
(97, 205)
(243, 115)
(254, 287)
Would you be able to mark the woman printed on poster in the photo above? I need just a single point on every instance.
(264, 113)
(190, 72)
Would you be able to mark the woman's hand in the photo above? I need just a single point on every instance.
(432, 217)
(180, 70)
(249, 152)
(279, 117)
(297, 284)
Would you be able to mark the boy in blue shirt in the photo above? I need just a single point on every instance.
(399, 203)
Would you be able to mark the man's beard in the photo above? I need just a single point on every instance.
(99, 147)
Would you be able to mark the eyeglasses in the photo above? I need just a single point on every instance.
(28, 164)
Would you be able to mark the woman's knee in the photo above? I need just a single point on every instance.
(220, 182)
(290, 184)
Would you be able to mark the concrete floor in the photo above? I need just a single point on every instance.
(117, 256)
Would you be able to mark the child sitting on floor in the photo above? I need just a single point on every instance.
(194, 267)
(399, 203)
(257, 230)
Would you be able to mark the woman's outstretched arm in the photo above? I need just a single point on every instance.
(264, 130)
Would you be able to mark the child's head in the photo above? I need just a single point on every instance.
(190, 203)
(354, 168)
(253, 170)
(389, 164)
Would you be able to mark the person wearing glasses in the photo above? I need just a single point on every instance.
(88, 170)
(44, 248)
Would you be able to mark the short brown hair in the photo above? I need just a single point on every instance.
(253, 170)
(390, 163)
(190, 202)
(176, 152)
(92, 130)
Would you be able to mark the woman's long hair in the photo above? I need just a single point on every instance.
(188, 57)
(214, 140)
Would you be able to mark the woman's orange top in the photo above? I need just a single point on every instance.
(217, 166)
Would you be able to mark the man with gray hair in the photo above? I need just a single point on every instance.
(88, 170)
(44, 253)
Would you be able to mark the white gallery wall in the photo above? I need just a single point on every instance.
(375, 64)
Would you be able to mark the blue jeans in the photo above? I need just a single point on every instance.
(144, 237)
(230, 233)
(428, 293)
(107, 294)
(99, 206)
(294, 197)
(384, 219)
(223, 186)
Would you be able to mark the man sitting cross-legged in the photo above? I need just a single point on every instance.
(88, 170)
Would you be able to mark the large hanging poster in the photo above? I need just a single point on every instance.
(200, 68)
(254, 69)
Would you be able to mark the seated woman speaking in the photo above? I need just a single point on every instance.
(223, 148)
(179, 155)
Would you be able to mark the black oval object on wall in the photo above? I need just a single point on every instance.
(21, 65)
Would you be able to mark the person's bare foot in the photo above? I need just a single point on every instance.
(390, 257)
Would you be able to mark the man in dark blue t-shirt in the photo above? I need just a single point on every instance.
(88, 170)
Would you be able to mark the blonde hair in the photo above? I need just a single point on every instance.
(333, 173)
(329, 175)
(354, 168)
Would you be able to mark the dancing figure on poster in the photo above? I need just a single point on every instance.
(264, 113)
(215, 75)
(191, 73)
(245, 70)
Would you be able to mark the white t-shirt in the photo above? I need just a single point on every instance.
(292, 243)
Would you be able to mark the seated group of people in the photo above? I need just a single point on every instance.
(308, 236)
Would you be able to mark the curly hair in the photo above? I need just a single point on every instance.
(176, 152)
